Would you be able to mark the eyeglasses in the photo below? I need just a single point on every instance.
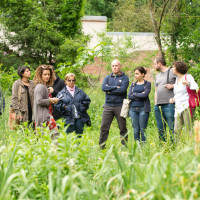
(44, 66)
(71, 80)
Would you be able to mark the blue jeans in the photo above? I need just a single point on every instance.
(77, 127)
(165, 115)
(139, 120)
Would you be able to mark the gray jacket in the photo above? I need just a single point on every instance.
(41, 104)
(21, 107)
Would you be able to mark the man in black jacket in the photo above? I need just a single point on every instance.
(58, 85)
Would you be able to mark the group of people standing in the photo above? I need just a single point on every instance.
(171, 100)
(48, 98)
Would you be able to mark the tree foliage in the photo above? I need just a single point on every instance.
(100, 7)
(131, 16)
(39, 28)
(183, 32)
(158, 11)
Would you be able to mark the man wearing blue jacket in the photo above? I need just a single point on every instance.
(115, 86)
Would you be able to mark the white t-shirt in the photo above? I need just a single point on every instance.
(181, 95)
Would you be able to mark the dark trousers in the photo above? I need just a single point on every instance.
(77, 127)
(109, 112)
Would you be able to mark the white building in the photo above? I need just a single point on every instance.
(93, 25)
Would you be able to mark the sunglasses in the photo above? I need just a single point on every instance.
(71, 80)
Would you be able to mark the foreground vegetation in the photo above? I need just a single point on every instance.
(32, 167)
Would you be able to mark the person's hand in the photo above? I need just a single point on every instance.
(171, 100)
(54, 100)
(50, 89)
(169, 86)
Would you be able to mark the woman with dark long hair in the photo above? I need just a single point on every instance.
(140, 104)
(23, 96)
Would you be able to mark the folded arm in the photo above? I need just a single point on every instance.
(122, 89)
(106, 87)
(138, 96)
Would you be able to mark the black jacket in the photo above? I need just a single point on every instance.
(58, 85)
(66, 105)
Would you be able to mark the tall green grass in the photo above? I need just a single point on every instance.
(32, 167)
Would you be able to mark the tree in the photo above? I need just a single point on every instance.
(100, 8)
(158, 10)
(171, 28)
(131, 16)
(182, 29)
(40, 27)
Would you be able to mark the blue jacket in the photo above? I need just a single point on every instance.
(115, 95)
(66, 105)
(144, 96)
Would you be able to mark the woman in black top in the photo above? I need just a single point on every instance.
(140, 104)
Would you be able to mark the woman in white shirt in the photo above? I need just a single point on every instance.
(181, 97)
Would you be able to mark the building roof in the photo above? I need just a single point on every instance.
(94, 18)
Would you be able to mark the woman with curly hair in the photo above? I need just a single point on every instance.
(22, 97)
(181, 98)
(44, 77)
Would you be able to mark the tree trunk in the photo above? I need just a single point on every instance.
(156, 22)
(175, 31)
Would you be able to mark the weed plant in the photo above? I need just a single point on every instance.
(33, 167)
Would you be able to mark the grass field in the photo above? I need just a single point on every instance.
(31, 167)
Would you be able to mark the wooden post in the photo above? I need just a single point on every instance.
(197, 136)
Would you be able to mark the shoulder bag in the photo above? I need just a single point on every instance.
(193, 98)
(125, 108)
(13, 122)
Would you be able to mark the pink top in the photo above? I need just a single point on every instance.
(71, 90)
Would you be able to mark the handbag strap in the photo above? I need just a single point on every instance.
(186, 77)
(133, 86)
(168, 75)
(19, 93)
(188, 88)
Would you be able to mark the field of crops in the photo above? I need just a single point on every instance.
(33, 167)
